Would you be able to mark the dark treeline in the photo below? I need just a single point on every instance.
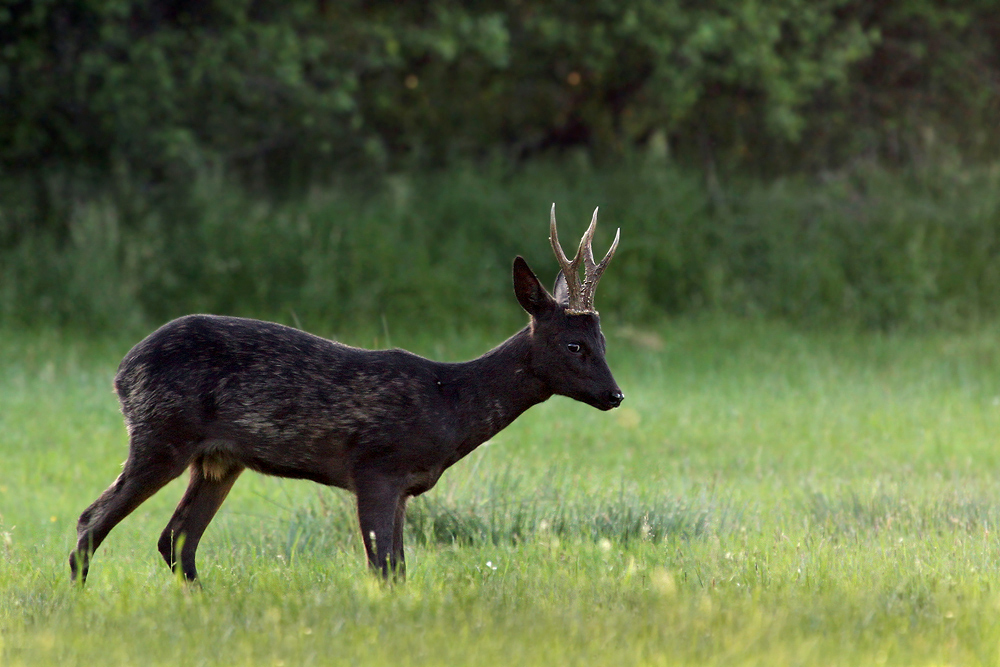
(271, 87)
(163, 156)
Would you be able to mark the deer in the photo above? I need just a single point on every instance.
(216, 395)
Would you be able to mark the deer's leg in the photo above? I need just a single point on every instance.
(397, 536)
(145, 472)
(201, 501)
(378, 506)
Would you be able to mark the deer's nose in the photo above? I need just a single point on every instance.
(616, 397)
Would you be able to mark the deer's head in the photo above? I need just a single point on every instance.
(567, 346)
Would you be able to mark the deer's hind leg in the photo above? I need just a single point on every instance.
(148, 468)
(208, 487)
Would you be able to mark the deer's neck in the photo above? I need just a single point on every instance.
(493, 390)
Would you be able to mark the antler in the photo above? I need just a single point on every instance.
(581, 296)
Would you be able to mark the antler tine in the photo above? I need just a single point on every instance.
(570, 269)
(592, 272)
(594, 278)
(586, 249)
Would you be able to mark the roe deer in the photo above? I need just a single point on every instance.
(219, 394)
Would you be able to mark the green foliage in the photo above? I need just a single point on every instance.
(871, 248)
(164, 156)
(288, 92)
(161, 87)
(926, 92)
(164, 87)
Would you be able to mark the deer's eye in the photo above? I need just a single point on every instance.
(573, 347)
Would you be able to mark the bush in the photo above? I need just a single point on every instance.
(872, 249)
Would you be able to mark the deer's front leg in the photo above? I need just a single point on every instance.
(397, 537)
(379, 504)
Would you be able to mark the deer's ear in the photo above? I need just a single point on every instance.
(560, 292)
(530, 293)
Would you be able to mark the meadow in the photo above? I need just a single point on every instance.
(766, 495)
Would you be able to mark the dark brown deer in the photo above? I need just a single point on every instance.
(216, 395)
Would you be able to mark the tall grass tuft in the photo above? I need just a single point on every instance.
(501, 510)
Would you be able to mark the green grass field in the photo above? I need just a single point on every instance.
(765, 496)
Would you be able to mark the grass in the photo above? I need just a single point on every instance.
(764, 496)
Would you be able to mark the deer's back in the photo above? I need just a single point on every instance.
(264, 387)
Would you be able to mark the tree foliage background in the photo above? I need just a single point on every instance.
(131, 106)
(159, 85)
